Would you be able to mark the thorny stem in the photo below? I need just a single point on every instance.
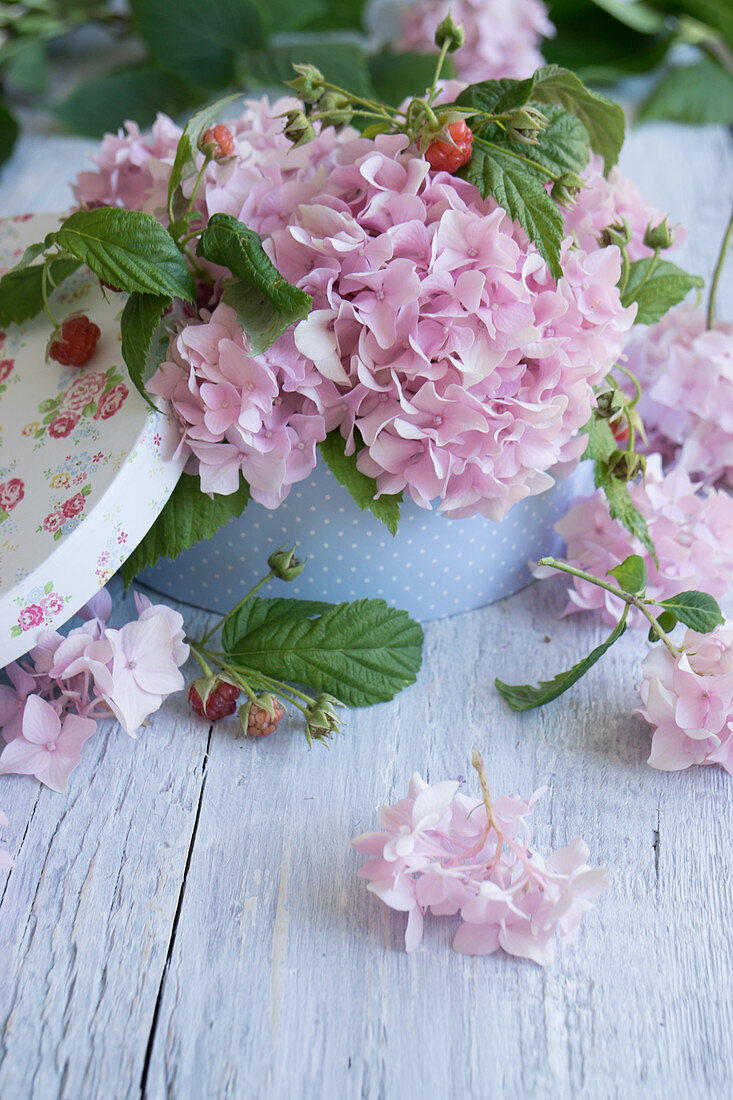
(727, 242)
(629, 599)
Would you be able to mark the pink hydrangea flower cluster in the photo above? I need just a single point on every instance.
(688, 699)
(692, 531)
(439, 851)
(502, 36)
(686, 371)
(56, 697)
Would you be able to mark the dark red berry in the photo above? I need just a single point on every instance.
(221, 139)
(75, 341)
(220, 703)
(447, 157)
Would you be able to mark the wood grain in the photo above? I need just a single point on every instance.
(186, 921)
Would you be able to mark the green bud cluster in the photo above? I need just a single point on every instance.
(285, 565)
(321, 719)
(450, 34)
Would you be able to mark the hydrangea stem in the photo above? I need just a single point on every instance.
(727, 242)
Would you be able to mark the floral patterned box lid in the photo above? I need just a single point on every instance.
(85, 464)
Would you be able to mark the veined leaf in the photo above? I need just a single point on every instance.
(631, 575)
(258, 612)
(140, 318)
(698, 610)
(21, 290)
(363, 489)
(656, 287)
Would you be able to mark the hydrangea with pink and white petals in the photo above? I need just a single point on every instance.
(686, 371)
(502, 36)
(692, 530)
(606, 200)
(6, 860)
(439, 851)
(688, 699)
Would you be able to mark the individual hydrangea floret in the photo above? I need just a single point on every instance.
(691, 529)
(502, 37)
(440, 851)
(686, 371)
(688, 699)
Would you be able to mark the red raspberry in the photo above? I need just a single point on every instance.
(259, 722)
(75, 341)
(220, 703)
(620, 430)
(442, 156)
(221, 138)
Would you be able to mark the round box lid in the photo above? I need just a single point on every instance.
(85, 464)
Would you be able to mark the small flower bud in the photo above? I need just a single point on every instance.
(618, 233)
(566, 188)
(659, 236)
(285, 565)
(525, 123)
(450, 34)
(297, 128)
(310, 83)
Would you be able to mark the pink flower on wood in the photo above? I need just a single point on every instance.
(47, 749)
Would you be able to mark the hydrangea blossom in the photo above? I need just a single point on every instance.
(55, 697)
(441, 851)
(502, 36)
(692, 531)
(688, 700)
(686, 371)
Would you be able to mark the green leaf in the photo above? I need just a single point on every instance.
(631, 575)
(714, 13)
(622, 508)
(229, 243)
(258, 612)
(8, 133)
(698, 610)
(362, 652)
(526, 696)
(339, 15)
(184, 163)
(656, 287)
(397, 76)
(342, 62)
(21, 295)
(27, 69)
(282, 16)
(198, 41)
(363, 489)
(140, 318)
(496, 170)
(635, 14)
(601, 444)
(667, 621)
(100, 106)
(699, 95)
(128, 250)
(188, 516)
(600, 48)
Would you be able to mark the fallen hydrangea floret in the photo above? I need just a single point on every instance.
(442, 851)
(692, 531)
(56, 696)
(686, 371)
(688, 699)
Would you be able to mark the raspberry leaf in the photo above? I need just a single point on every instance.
(187, 517)
(363, 489)
(698, 610)
(631, 574)
(527, 696)
(363, 652)
(140, 318)
(21, 293)
(698, 94)
(656, 285)
(127, 249)
(258, 612)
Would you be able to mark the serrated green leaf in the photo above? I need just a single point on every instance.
(199, 42)
(601, 443)
(189, 516)
(656, 287)
(698, 610)
(8, 133)
(622, 508)
(229, 243)
(363, 489)
(698, 95)
(128, 250)
(631, 575)
(527, 696)
(100, 106)
(21, 293)
(667, 622)
(363, 652)
(258, 612)
(140, 318)
(184, 162)
(498, 171)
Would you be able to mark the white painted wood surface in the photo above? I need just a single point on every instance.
(186, 921)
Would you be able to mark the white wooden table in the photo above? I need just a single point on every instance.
(187, 922)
